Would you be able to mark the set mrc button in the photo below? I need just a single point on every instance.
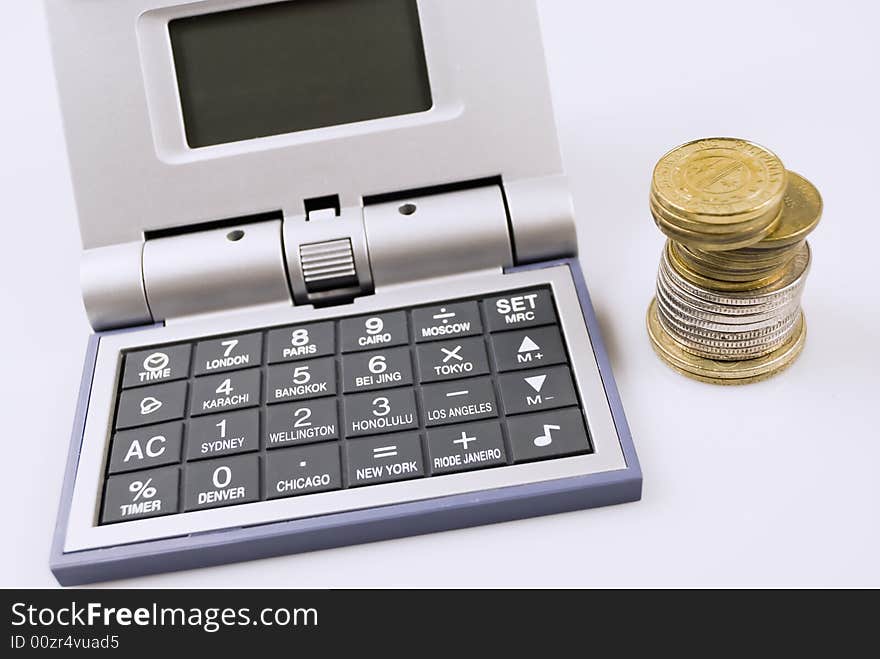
(308, 408)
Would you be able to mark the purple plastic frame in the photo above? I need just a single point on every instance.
(394, 521)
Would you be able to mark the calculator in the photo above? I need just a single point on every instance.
(330, 258)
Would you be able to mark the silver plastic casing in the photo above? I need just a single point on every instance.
(135, 176)
(465, 199)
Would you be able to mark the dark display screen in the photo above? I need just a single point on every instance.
(292, 66)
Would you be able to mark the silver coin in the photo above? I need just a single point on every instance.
(731, 339)
(761, 296)
(730, 356)
(682, 307)
(727, 351)
(710, 339)
(782, 288)
(714, 307)
(726, 324)
(730, 326)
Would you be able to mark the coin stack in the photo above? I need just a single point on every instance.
(727, 307)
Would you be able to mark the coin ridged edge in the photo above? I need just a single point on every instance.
(788, 352)
(672, 160)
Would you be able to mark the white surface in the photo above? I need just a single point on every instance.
(771, 484)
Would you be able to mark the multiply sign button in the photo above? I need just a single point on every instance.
(452, 359)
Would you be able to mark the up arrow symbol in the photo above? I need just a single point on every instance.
(528, 345)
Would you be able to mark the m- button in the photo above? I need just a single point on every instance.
(540, 389)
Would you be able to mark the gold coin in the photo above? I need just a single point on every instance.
(750, 224)
(714, 284)
(723, 372)
(755, 254)
(713, 265)
(801, 212)
(727, 275)
(795, 271)
(755, 219)
(719, 179)
(745, 258)
(713, 243)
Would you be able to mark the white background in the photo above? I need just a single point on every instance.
(771, 484)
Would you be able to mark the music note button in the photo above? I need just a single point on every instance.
(547, 434)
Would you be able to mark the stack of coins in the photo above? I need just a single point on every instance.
(727, 308)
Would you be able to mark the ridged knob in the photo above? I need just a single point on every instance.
(328, 265)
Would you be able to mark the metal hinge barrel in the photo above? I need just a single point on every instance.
(328, 256)
(436, 235)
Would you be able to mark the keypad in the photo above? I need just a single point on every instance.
(301, 409)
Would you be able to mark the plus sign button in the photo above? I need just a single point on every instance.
(466, 446)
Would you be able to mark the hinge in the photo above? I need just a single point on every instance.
(438, 234)
(188, 273)
(488, 224)
(215, 270)
(329, 254)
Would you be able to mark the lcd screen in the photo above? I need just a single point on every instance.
(297, 65)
